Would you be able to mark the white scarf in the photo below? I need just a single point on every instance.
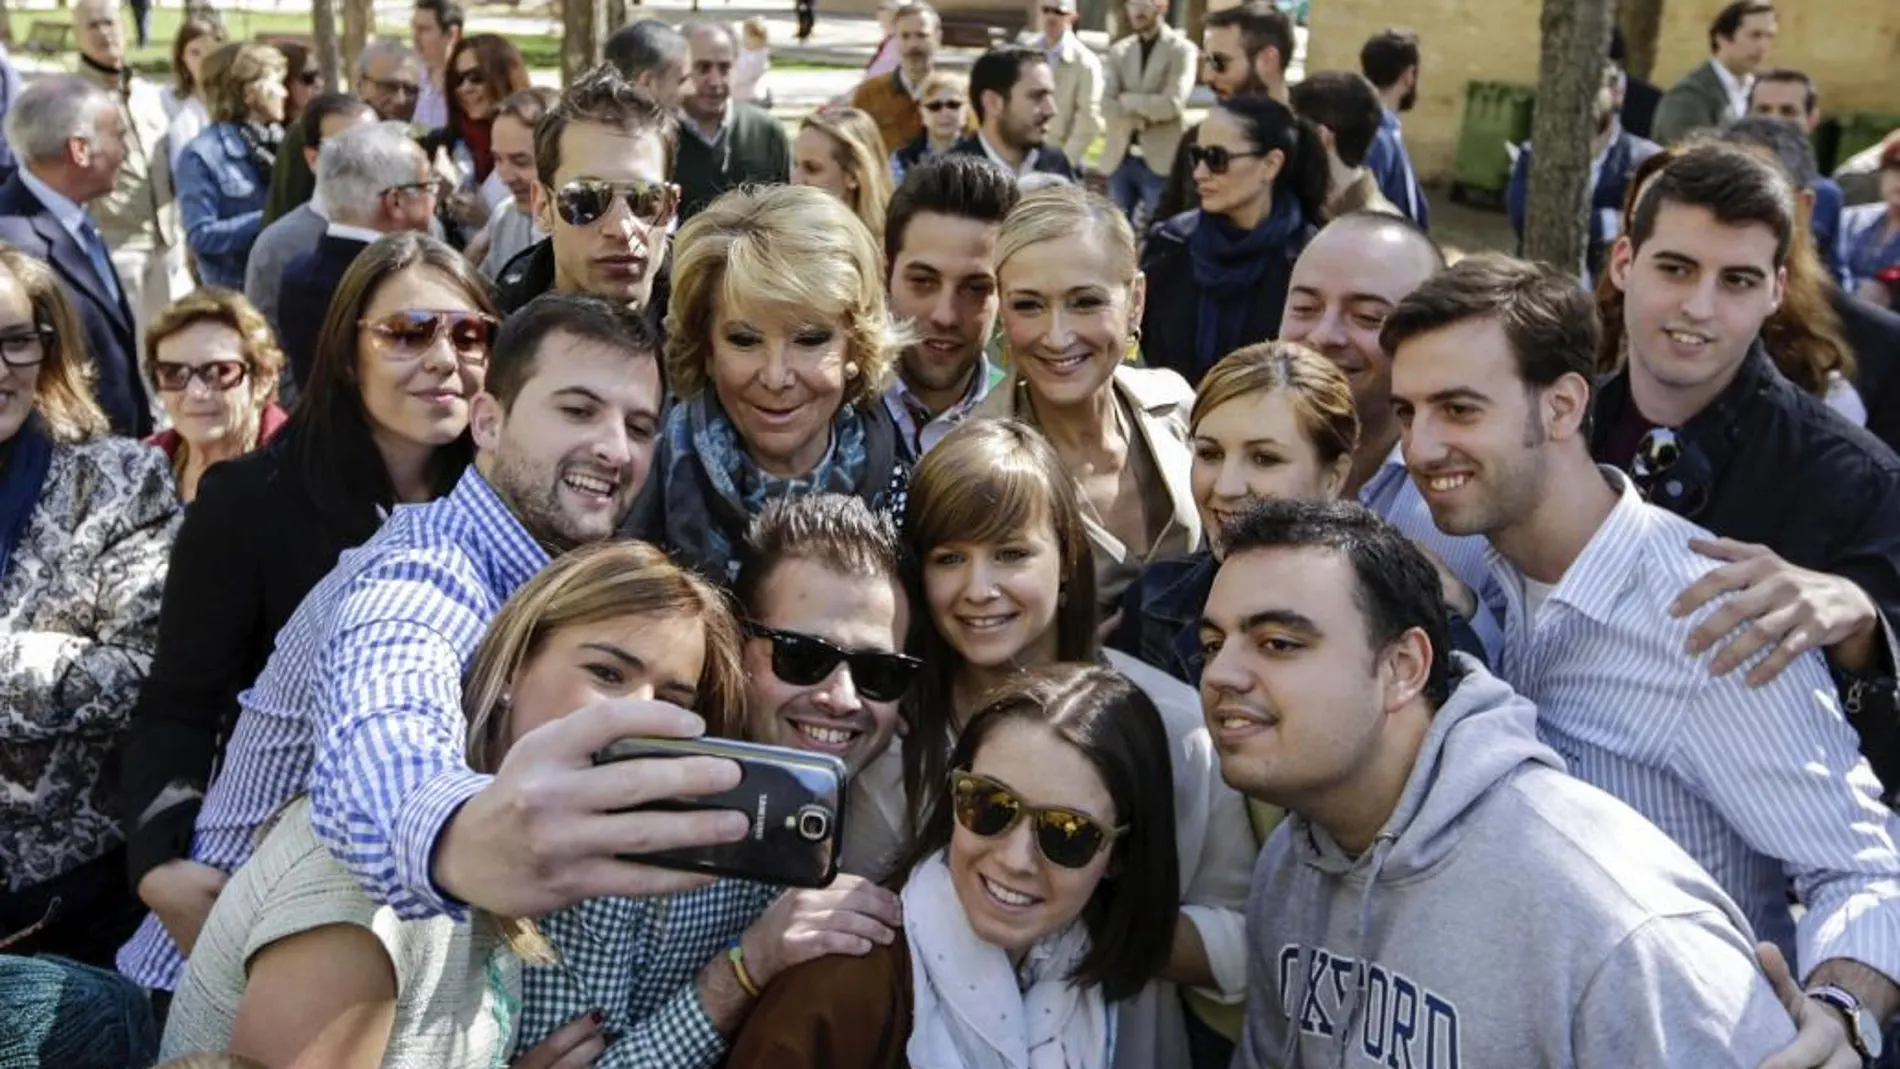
(970, 1012)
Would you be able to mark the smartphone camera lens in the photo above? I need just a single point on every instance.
(814, 823)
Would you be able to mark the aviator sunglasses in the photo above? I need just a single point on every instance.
(220, 375)
(586, 200)
(988, 808)
(413, 331)
(805, 660)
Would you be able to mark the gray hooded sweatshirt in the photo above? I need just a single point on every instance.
(1507, 917)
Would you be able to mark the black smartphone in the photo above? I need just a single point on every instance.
(794, 799)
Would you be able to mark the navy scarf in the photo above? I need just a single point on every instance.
(1228, 265)
(24, 462)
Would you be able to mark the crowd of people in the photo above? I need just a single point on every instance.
(1254, 634)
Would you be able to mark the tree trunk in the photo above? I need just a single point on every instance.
(583, 36)
(359, 21)
(1576, 43)
(329, 51)
(6, 23)
(616, 18)
(1642, 25)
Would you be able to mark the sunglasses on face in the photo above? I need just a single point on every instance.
(219, 375)
(1217, 159)
(24, 345)
(934, 106)
(472, 76)
(807, 660)
(395, 88)
(407, 334)
(585, 200)
(988, 808)
(310, 78)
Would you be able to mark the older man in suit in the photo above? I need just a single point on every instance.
(67, 133)
(1145, 86)
(1716, 92)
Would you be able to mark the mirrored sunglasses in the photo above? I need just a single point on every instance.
(586, 200)
(989, 808)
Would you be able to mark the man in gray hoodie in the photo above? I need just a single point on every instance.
(1442, 895)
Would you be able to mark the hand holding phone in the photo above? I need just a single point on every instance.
(793, 801)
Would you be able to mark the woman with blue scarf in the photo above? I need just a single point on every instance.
(86, 526)
(1217, 276)
(778, 348)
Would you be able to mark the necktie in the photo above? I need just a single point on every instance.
(101, 260)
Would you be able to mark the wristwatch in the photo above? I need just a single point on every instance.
(1863, 1028)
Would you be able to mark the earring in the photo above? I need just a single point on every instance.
(1132, 352)
(851, 370)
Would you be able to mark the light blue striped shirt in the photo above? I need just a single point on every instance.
(1394, 496)
(1763, 786)
(361, 705)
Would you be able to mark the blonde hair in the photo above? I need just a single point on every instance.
(789, 246)
(859, 149)
(1069, 213)
(259, 343)
(754, 29)
(1317, 390)
(231, 70)
(63, 397)
(937, 81)
(596, 582)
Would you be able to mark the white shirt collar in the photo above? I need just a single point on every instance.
(355, 233)
(1736, 88)
(69, 214)
(1029, 158)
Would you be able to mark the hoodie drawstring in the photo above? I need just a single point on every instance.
(1355, 996)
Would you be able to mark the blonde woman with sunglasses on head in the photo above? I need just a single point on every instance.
(297, 966)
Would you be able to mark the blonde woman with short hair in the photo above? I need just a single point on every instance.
(779, 347)
(1072, 299)
(945, 99)
(216, 364)
(224, 173)
(297, 965)
(840, 151)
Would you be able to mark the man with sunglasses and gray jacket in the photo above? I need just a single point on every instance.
(603, 196)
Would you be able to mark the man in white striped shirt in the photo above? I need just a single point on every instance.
(1764, 785)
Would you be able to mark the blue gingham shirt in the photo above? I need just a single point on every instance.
(1394, 496)
(637, 962)
(1761, 785)
(361, 705)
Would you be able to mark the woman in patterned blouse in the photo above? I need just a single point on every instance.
(86, 526)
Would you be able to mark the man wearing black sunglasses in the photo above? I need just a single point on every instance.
(1244, 52)
(826, 619)
(602, 157)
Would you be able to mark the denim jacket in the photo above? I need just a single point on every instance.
(221, 196)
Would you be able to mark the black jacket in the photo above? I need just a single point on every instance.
(310, 281)
(1049, 158)
(1873, 333)
(531, 273)
(1170, 321)
(29, 226)
(1768, 463)
(253, 543)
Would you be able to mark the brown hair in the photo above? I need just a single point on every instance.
(190, 30)
(239, 65)
(595, 582)
(987, 481)
(500, 63)
(207, 1060)
(63, 397)
(1549, 320)
(601, 96)
(262, 357)
(527, 106)
(838, 532)
(1318, 391)
(1803, 336)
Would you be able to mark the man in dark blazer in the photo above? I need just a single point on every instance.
(1013, 91)
(66, 133)
(373, 180)
(1716, 92)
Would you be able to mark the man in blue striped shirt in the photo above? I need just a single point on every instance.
(1764, 786)
(361, 704)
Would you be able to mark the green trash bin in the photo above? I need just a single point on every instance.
(1496, 114)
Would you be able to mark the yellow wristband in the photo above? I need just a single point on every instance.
(736, 955)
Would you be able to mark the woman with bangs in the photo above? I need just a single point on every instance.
(1038, 896)
(223, 174)
(297, 965)
(1071, 311)
(382, 421)
(1274, 420)
(778, 346)
(999, 532)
